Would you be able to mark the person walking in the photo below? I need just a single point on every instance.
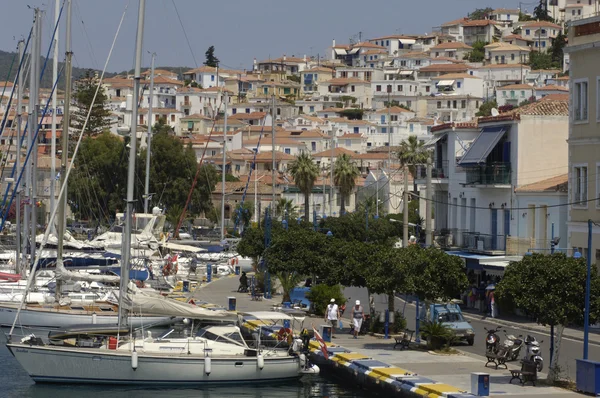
(332, 314)
(493, 305)
(358, 315)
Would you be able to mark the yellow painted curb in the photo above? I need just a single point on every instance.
(351, 356)
(438, 389)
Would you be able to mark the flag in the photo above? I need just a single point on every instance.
(322, 344)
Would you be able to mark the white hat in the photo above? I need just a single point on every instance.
(333, 300)
(357, 302)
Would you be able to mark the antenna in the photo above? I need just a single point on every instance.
(495, 112)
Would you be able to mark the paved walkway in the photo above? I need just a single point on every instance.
(454, 370)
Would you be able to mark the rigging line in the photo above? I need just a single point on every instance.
(185, 33)
(8, 77)
(51, 45)
(62, 189)
(87, 37)
(16, 79)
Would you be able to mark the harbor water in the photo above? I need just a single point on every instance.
(15, 383)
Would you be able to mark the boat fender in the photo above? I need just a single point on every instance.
(260, 361)
(94, 320)
(207, 365)
(302, 360)
(311, 370)
(134, 360)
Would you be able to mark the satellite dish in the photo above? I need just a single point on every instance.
(495, 112)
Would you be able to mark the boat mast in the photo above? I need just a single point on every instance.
(149, 139)
(34, 79)
(126, 247)
(53, 144)
(224, 168)
(64, 158)
(18, 269)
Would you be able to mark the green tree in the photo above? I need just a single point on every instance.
(524, 17)
(286, 205)
(486, 108)
(352, 113)
(99, 120)
(557, 50)
(478, 52)
(557, 296)
(211, 60)
(304, 171)
(540, 12)
(386, 272)
(252, 243)
(480, 13)
(98, 182)
(412, 153)
(162, 127)
(345, 173)
(540, 60)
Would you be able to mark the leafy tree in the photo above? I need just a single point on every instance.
(345, 173)
(478, 52)
(540, 12)
(480, 13)
(286, 205)
(412, 153)
(85, 89)
(252, 243)
(508, 107)
(368, 205)
(352, 113)
(230, 178)
(557, 49)
(162, 127)
(304, 171)
(540, 60)
(294, 78)
(288, 281)
(98, 181)
(211, 60)
(524, 17)
(486, 108)
(528, 101)
(556, 299)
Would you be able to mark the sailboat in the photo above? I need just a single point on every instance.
(196, 359)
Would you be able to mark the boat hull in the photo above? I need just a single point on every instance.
(59, 319)
(47, 364)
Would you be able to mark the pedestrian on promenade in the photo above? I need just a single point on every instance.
(358, 315)
(493, 305)
(473, 296)
(481, 297)
(332, 315)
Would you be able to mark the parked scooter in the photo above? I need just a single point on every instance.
(513, 345)
(532, 352)
(492, 340)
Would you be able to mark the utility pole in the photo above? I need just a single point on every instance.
(21, 47)
(331, 176)
(126, 248)
(149, 138)
(273, 154)
(53, 144)
(377, 193)
(405, 209)
(34, 120)
(429, 197)
(224, 168)
(389, 133)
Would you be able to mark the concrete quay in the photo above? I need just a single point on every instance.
(373, 363)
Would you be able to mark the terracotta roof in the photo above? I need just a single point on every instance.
(268, 156)
(444, 68)
(449, 59)
(337, 151)
(505, 66)
(166, 80)
(556, 97)
(516, 37)
(479, 22)
(453, 76)
(304, 134)
(516, 87)
(545, 108)
(451, 46)
(195, 116)
(216, 89)
(506, 11)
(375, 52)
(248, 116)
(312, 118)
(563, 78)
(352, 136)
(414, 55)
(318, 69)
(189, 90)
(393, 109)
(502, 46)
(552, 87)
(554, 184)
(464, 125)
(456, 22)
(342, 81)
(118, 82)
(540, 24)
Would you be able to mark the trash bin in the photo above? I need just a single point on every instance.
(326, 333)
(186, 286)
(232, 302)
(588, 376)
(208, 272)
(287, 304)
(237, 269)
(480, 384)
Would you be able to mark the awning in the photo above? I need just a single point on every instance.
(406, 72)
(445, 83)
(340, 51)
(407, 41)
(391, 72)
(434, 140)
(353, 51)
(483, 145)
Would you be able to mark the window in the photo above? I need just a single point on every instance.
(579, 12)
(247, 110)
(458, 84)
(313, 146)
(512, 94)
(418, 62)
(463, 104)
(512, 57)
(580, 101)
(387, 42)
(402, 63)
(527, 32)
(383, 130)
(409, 104)
(399, 88)
(411, 127)
(454, 104)
(394, 118)
(234, 111)
(497, 58)
(311, 109)
(543, 44)
(427, 89)
(190, 125)
(348, 143)
(378, 87)
(212, 78)
(352, 88)
(439, 104)
(437, 54)
(389, 88)
(355, 130)
(580, 185)
(447, 104)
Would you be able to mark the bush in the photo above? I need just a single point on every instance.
(437, 334)
(398, 326)
(320, 296)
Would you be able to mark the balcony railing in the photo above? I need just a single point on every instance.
(495, 173)
(476, 242)
(438, 170)
(184, 104)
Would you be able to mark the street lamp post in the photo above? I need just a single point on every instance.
(586, 315)
(256, 197)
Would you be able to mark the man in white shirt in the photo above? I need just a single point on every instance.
(332, 314)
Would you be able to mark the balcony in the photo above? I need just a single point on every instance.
(483, 243)
(492, 174)
(439, 170)
(185, 104)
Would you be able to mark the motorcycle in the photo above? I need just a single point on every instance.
(532, 352)
(513, 345)
(492, 340)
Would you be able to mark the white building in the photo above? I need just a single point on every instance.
(514, 94)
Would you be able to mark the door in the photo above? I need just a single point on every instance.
(494, 228)
(506, 222)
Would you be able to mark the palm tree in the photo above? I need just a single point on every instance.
(412, 153)
(304, 172)
(286, 205)
(344, 177)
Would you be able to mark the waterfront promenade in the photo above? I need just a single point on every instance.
(449, 373)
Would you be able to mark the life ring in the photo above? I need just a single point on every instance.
(284, 333)
(171, 267)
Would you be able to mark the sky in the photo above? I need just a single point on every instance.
(240, 30)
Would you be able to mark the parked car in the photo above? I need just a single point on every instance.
(450, 314)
